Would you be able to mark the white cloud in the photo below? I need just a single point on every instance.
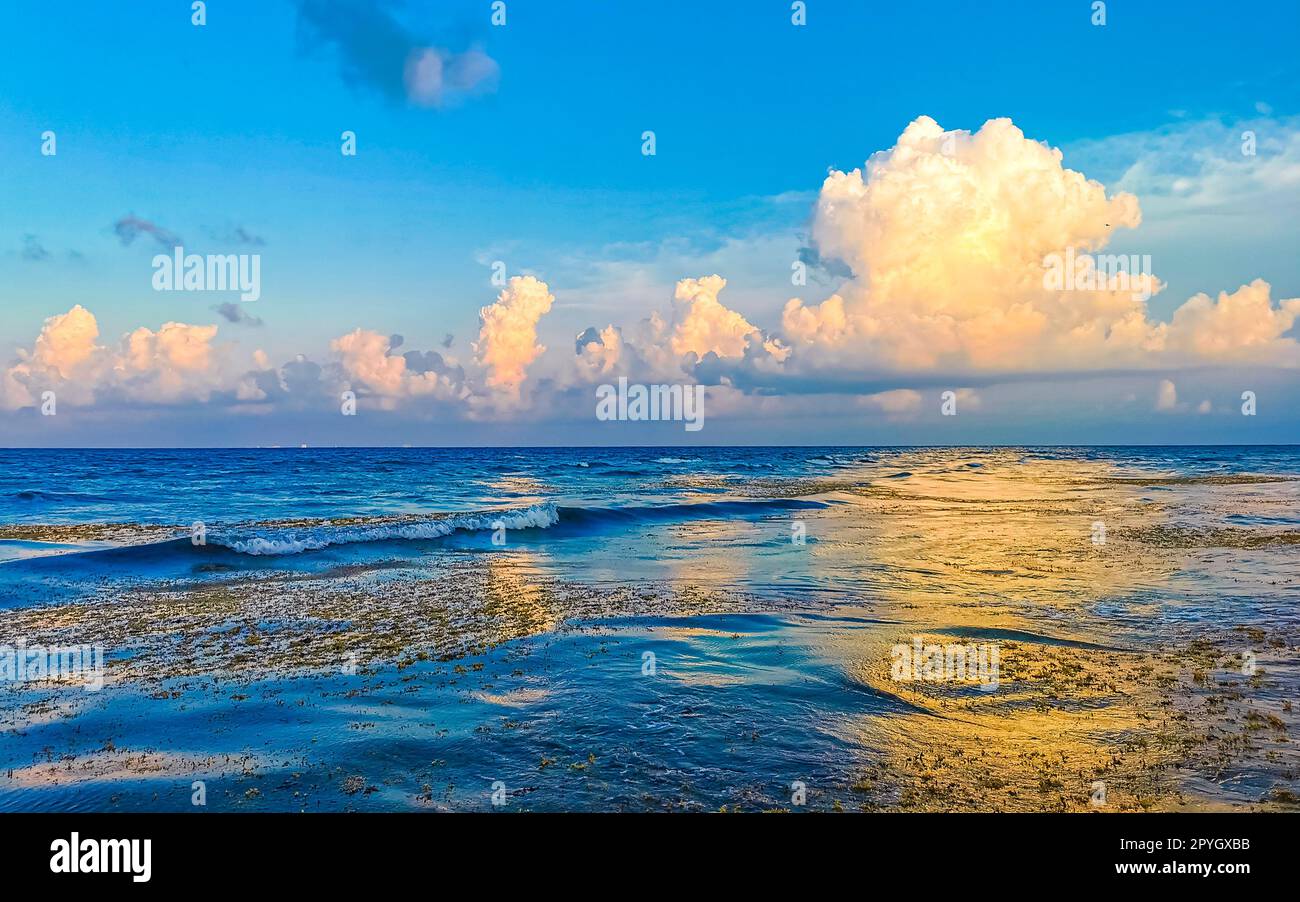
(368, 364)
(1166, 395)
(702, 325)
(1241, 327)
(436, 78)
(896, 401)
(175, 363)
(948, 233)
(600, 353)
(179, 362)
(507, 342)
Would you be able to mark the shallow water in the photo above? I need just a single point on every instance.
(406, 628)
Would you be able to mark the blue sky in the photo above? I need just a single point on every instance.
(235, 125)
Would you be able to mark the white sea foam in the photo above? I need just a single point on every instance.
(295, 541)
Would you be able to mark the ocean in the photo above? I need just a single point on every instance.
(651, 628)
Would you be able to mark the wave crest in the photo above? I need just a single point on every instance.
(296, 541)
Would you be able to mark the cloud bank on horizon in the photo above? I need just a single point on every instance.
(940, 243)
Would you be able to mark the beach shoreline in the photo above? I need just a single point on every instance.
(729, 645)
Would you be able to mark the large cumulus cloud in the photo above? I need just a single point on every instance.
(947, 235)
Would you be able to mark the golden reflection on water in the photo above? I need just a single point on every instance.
(1060, 720)
(706, 553)
(515, 599)
(521, 488)
(959, 555)
(969, 546)
(1015, 552)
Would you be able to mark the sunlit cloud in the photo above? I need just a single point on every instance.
(178, 362)
(507, 340)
